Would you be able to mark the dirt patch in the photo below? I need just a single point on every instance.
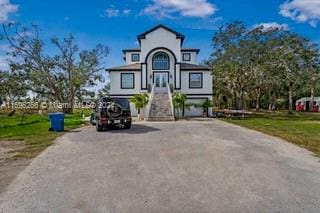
(10, 167)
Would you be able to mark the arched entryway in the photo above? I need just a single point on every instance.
(161, 64)
(160, 67)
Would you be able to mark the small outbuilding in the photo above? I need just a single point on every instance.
(303, 105)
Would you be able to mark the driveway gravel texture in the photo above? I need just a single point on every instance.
(184, 166)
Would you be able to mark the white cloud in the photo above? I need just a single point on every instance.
(272, 25)
(188, 8)
(6, 8)
(111, 12)
(4, 63)
(302, 11)
(126, 12)
(4, 58)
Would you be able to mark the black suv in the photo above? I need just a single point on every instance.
(110, 112)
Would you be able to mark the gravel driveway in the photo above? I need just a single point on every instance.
(185, 166)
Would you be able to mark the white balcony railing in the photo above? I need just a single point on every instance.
(170, 99)
(148, 107)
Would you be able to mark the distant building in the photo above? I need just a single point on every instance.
(303, 104)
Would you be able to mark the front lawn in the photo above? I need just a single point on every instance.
(302, 129)
(33, 130)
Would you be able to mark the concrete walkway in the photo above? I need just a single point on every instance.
(186, 166)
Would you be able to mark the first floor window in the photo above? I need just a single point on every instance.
(195, 80)
(127, 80)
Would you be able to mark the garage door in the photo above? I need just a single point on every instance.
(195, 111)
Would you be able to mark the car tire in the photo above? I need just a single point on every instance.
(127, 125)
(99, 128)
(93, 121)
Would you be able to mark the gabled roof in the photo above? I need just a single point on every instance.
(178, 35)
(130, 67)
(186, 67)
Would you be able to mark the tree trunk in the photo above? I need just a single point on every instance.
(290, 98)
(311, 99)
(270, 101)
(239, 101)
(183, 110)
(68, 109)
(258, 100)
(274, 101)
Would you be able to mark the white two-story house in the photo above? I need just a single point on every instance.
(162, 65)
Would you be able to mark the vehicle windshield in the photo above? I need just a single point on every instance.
(124, 103)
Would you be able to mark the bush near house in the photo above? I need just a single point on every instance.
(140, 101)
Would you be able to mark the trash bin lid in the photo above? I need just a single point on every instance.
(56, 114)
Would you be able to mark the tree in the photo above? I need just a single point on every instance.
(12, 86)
(140, 101)
(61, 76)
(258, 66)
(105, 91)
(230, 61)
(289, 59)
(179, 102)
(312, 70)
(205, 106)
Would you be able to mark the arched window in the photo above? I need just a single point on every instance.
(160, 61)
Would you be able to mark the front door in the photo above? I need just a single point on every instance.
(161, 80)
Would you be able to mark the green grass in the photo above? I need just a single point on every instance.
(302, 129)
(34, 131)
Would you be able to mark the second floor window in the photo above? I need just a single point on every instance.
(195, 80)
(160, 61)
(186, 56)
(135, 57)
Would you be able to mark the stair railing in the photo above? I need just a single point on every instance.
(148, 107)
(170, 99)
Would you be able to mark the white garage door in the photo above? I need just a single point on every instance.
(195, 111)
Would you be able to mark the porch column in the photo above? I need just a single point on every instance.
(177, 77)
(144, 77)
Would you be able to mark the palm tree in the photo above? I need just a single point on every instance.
(140, 101)
(206, 105)
(179, 102)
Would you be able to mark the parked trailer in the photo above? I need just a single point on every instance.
(303, 105)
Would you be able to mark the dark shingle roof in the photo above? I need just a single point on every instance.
(190, 50)
(137, 67)
(130, 67)
(186, 66)
(131, 50)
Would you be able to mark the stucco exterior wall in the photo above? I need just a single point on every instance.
(161, 38)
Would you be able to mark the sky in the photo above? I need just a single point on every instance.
(116, 23)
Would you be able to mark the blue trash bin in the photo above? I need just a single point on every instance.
(57, 121)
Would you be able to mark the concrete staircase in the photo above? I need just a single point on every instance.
(160, 109)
